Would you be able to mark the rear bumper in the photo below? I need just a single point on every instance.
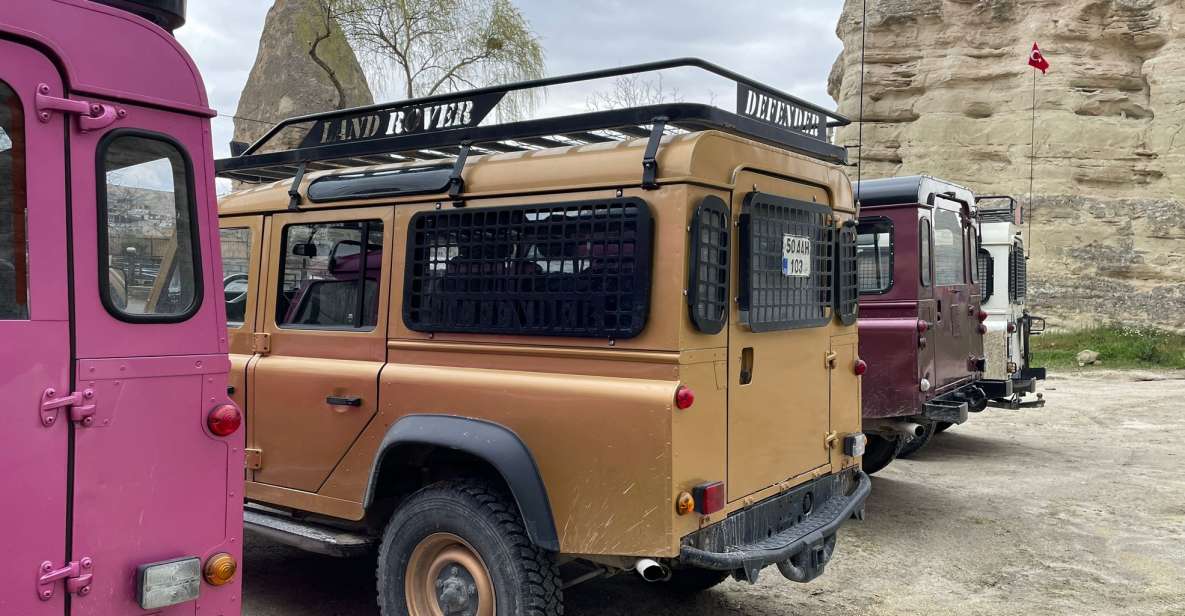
(795, 530)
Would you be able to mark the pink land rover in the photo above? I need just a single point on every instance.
(121, 462)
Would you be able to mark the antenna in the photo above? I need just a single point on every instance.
(860, 113)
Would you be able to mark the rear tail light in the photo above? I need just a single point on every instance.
(224, 420)
(861, 367)
(1012, 328)
(709, 497)
(854, 445)
(982, 329)
(983, 315)
(220, 569)
(684, 397)
(923, 327)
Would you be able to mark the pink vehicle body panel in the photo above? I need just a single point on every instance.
(145, 481)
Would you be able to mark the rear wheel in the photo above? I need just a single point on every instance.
(692, 581)
(879, 452)
(459, 548)
(942, 426)
(916, 443)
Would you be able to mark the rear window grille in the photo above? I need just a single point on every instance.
(774, 292)
(1017, 275)
(707, 288)
(847, 280)
(986, 267)
(558, 269)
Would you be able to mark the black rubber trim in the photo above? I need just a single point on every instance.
(782, 546)
(491, 442)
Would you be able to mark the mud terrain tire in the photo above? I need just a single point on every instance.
(879, 452)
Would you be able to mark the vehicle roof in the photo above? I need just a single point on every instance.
(908, 190)
(137, 60)
(707, 158)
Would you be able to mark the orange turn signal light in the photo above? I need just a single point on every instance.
(684, 503)
(220, 569)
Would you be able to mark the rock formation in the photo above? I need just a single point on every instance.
(948, 92)
(304, 65)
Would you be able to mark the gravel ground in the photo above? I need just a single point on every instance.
(1077, 508)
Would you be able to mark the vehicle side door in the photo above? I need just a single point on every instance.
(315, 387)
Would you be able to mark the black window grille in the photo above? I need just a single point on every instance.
(558, 269)
(779, 290)
(1017, 275)
(707, 288)
(986, 267)
(847, 279)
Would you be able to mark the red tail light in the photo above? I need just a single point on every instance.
(709, 497)
(982, 329)
(983, 315)
(923, 327)
(224, 420)
(1012, 328)
(861, 367)
(684, 397)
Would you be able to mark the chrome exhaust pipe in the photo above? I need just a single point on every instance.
(652, 570)
(908, 429)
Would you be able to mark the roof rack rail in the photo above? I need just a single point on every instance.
(438, 128)
(999, 212)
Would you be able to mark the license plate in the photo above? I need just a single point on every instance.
(796, 256)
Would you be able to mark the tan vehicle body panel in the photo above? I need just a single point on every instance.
(597, 415)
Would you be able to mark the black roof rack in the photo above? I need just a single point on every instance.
(445, 128)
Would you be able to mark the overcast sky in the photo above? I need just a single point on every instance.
(788, 44)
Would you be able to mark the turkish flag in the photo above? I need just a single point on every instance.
(1038, 61)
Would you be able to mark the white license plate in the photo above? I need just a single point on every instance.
(796, 256)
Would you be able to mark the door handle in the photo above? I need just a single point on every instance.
(344, 400)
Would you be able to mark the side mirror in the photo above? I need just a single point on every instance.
(305, 250)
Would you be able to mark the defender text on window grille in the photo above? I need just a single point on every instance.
(564, 269)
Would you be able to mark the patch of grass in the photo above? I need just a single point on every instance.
(1118, 346)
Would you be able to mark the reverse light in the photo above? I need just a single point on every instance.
(168, 583)
(924, 384)
(220, 569)
(860, 368)
(1012, 328)
(983, 315)
(709, 497)
(684, 397)
(854, 445)
(224, 420)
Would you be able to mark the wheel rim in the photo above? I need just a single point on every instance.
(447, 577)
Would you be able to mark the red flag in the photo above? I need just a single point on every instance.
(1038, 61)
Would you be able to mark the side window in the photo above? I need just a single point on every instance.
(925, 241)
(14, 271)
(949, 253)
(236, 272)
(148, 246)
(874, 256)
(329, 276)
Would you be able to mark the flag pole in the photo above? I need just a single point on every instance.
(1032, 162)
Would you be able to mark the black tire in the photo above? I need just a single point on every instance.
(916, 443)
(525, 579)
(879, 452)
(693, 581)
(942, 426)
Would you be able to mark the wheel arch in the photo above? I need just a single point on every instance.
(491, 443)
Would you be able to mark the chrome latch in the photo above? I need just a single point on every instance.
(81, 405)
(91, 116)
(76, 573)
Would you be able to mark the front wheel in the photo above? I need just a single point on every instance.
(461, 548)
(879, 452)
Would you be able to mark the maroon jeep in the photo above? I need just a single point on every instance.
(921, 325)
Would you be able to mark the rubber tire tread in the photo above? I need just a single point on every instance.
(879, 452)
(692, 581)
(540, 591)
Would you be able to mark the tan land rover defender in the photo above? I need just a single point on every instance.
(516, 356)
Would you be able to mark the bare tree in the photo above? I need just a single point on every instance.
(418, 48)
(633, 91)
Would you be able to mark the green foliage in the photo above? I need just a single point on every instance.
(1119, 346)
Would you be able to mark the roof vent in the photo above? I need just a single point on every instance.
(168, 14)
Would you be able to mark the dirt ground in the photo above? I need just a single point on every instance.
(1077, 508)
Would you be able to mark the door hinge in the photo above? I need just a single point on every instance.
(829, 359)
(253, 460)
(91, 116)
(76, 573)
(261, 344)
(81, 405)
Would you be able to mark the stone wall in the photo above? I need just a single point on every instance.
(948, 92)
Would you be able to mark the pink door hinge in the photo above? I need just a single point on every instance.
(91, 116)
(76, 573)
(81, 405)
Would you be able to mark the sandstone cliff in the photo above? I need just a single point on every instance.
(304, 65)
(948, 92)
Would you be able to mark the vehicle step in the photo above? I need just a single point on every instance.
(307, 536)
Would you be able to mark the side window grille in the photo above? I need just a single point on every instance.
(772, 295)
(986, 267)
(1017, 275)
(707, 285)
(558, 269)
(847, 278)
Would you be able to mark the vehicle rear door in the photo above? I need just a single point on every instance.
(778, 391)
(241, 239)
(954, 322)
(34, 337)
